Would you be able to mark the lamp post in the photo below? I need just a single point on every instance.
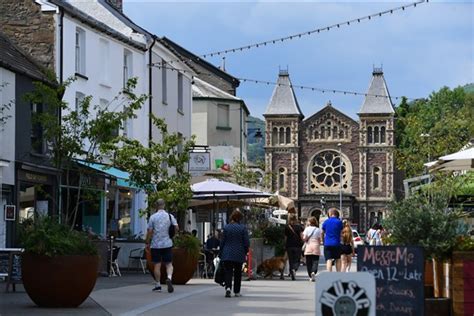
(340, 177)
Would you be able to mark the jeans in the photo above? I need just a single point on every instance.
(294, 257)
(312, 262)
(234, 269)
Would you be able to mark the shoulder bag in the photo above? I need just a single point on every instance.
(172, 228)
(304, 245)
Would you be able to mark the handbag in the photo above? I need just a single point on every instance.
(171, 229)
(219, 274)
(299, 237)
(304, 245)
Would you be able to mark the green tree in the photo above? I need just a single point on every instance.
(446, 116)
(79, 133)
(159, 168)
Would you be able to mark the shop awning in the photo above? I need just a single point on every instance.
(123, 177)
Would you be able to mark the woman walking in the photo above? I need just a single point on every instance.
(347, 248)
(234, 247)
(293, 244)
(312, 250)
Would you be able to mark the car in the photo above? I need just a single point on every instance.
(357, 239)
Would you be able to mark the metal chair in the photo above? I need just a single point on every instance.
(113, 262)
(138, 254)
(202, 265)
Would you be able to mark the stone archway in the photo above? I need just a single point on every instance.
(316, 212)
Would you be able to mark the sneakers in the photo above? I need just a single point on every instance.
(293, 272)
(157, 289)
(237, 295)
(170, 286)
(313, 277)
(227, 293)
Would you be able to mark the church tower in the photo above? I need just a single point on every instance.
(376, 146)
(282, 119)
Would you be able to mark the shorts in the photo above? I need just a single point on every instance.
(161, 255)
(332, 252)
(346, 250)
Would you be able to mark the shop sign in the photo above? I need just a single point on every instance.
(199, 161)
(203, 216)
(33, 177)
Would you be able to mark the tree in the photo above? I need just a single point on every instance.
(4, 108)
(159, 168)
(79, 133)
(446, 116)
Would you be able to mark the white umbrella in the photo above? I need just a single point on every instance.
(461, 160)
(215, 188)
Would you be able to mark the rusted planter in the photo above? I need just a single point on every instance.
(463, 282)
(61, 281)
(184, 266)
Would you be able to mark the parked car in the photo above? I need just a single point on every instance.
(357, 239)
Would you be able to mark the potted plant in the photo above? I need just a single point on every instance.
(59, 265)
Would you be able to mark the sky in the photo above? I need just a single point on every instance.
(420, 49)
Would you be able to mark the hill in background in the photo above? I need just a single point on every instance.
(255, 150)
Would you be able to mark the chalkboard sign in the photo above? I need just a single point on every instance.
(399, 274)
(10, 266)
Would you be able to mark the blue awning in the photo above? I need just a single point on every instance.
(123, 177)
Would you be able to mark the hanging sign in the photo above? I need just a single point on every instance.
(10, 212)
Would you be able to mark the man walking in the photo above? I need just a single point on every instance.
(332, 228)
(161, 243)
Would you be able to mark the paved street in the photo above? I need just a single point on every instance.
(131, 295)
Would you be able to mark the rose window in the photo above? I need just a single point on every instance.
(325, 172)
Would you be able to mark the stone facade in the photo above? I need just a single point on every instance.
(27, 27)
(306, 165)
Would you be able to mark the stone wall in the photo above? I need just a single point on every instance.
(26, 26)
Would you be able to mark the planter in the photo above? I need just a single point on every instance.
(184, 266)
(437, 306)
(62, 281)
(463, 283)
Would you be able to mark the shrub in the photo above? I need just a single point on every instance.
(188, 242)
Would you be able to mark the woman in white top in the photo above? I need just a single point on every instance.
(312, 251)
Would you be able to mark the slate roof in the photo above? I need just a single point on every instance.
(283, 101)
(378, 99)
(204, 90)
(13, 59)
(85, 18)
(330, 107)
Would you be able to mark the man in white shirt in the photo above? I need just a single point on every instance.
(161, 243)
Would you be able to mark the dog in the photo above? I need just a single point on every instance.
(271, 265)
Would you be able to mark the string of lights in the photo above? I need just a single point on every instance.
(302, 34)
(301, 87)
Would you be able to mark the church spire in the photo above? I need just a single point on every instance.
(378, 99)
(283, 100)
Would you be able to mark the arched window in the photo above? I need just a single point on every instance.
(281, 178)
(282, 135)
(382, 135)
(376, 134)
(341, 134)
(288, 135)
(323, 135)
(328, 129)
(334, 132)
(377, 177)
(316, 135)
(275, 136)
(369, 135)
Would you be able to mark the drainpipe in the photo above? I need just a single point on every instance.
(150, 90)
(61, 78)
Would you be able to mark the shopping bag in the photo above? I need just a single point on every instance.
(219, 274)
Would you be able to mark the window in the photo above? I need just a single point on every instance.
(128, 127)
(37, 143)
(376, 175)
(369, 135)
(326, 172)
(180, 92)
(80, 51)
(281, 179)
(164, 86)
(104, 61)
(223, 115)
(127, 66)
(282, 135)
(288, 135)
(180, 144)
(275, 136)
(376, 134)
(124, 213)
(382, 134)
(322, 133)
(78, 102)
(103, 104)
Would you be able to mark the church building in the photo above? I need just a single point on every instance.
(329, 159)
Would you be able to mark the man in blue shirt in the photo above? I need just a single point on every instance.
(331, 235)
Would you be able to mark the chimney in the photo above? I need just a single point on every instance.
(117, 4)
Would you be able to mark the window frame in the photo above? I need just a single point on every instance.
(223, 107)
(80, 51)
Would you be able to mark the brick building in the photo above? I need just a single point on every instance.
(329, 155)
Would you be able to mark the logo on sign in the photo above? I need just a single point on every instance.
(345, 299)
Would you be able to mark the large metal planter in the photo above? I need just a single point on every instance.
(184, 266)
(61, 281)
